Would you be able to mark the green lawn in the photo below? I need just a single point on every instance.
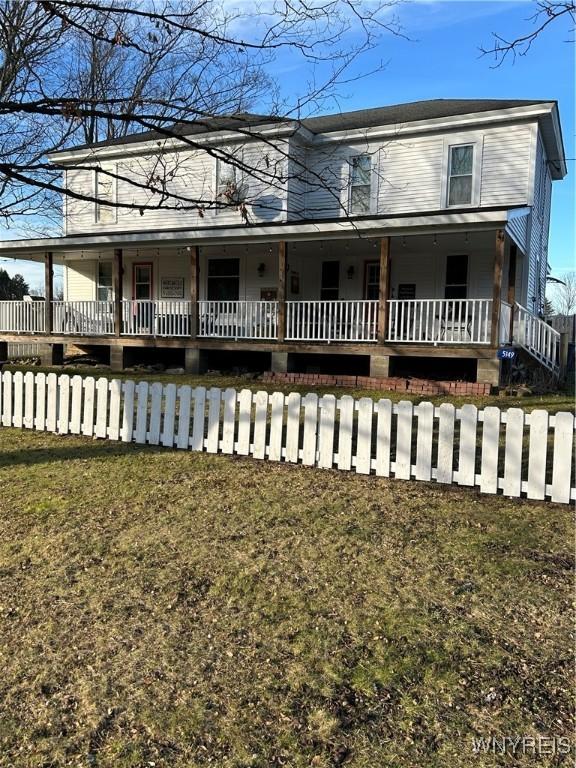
(552, 402)
(170, 609)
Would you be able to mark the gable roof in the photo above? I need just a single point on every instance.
(362, 118)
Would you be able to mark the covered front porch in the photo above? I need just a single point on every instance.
(426, 289)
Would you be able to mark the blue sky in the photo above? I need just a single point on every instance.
(442, 60)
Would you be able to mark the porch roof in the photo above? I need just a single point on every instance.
(365, 227)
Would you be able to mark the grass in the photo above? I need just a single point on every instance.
(170, 609)
(552, 402)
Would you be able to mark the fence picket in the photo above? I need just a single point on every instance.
(326, 436)
(537, 451)
(310, 403)
(169, 416)
(6, 399)
(128, 412)
(64, 405)
(466, 474)
(40, 417)
(562, 457)
(260, 417)
(156, 392)
(424, 437)
(383, 437)
(76, 405)
(28, 421)
(114, 411)
(51, 402)
(404, 440)
(512, 485)
(88, 412)
(490, 450)
(346, 408)
(364, 435)
(184, 410)
(229, 423)
(142, 412)
(294, 402)
(101, 408)
(445, 463)
(198, 422)
(212, 437)
(244, 422)
(276, 426)
(18, 400)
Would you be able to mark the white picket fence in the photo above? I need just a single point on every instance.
(509, 451)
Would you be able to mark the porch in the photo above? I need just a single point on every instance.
(431, 294)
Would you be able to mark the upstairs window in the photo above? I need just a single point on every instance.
(460, 173)
(360, 184)
(105, 191)
(228, 178)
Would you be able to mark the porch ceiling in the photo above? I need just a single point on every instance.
(380, 226)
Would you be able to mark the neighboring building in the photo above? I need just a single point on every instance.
(366, 241)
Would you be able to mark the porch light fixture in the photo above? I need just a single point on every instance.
(403, 241)
(261, 269)
(466, 237)
(350, 272)
(435, 241)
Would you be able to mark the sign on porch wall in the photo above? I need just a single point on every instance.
(513, 452)
(172, 288)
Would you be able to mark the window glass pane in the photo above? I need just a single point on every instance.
(223, 289)
(361, 166)
(142, 291)
(456, 270)
(226, 267)
(142, 274)
(460, 190)
(360, 200)
(330, 274)
(461, 162)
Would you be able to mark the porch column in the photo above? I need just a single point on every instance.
(117, 273)
(48, 291)
(281, 291)
(194, 290)
(497, 286)
(383, 289)
(511, 296)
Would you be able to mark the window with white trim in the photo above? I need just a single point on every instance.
(360, 187)
(105, 191)
(228, 177)
(104, 286)
(460, 174)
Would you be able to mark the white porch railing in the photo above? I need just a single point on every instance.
(22, 316)
(537, 337)
(83, 318)
(440, 321)
(156, 318)
(238, 319)
(331, 320)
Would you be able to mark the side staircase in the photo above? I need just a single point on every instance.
(537, 338)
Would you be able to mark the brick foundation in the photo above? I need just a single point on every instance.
(390, 384)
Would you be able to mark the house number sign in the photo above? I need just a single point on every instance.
(172, 287)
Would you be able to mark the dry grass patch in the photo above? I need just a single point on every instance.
(175, 609)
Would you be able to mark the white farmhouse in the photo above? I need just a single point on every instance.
(382, 241)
